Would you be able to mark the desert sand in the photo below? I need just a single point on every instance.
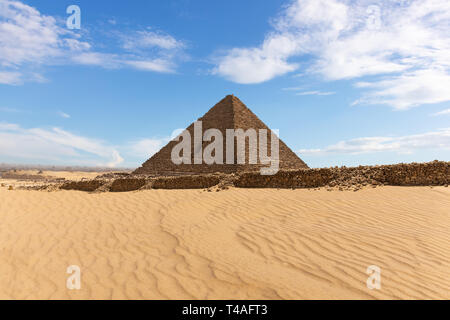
(233, 244)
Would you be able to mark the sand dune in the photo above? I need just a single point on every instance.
(235, 244)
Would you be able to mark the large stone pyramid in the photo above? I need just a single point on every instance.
(229, 113)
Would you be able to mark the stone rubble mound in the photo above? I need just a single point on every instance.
(436, 173)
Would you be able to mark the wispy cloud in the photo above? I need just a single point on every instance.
(10, 77)
(30, 39)
(166, 49)
(439, 139)
(144, 148)
(405, 42)
(55, 145)
(151, 39)
(11, 110)
(408, 90)
(64, 115)
(315, 93)
(158, 65)
(300, 91)
(441, 113)
(59, 146)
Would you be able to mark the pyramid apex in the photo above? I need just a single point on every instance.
(229, 100)
(232, 97)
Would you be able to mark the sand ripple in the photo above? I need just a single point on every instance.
(235, 244)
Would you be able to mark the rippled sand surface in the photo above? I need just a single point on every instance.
(234, 244)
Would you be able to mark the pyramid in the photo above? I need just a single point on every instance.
(229, 113)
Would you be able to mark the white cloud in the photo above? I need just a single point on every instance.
(151, 39)
(439, 139)
(106, 60)
(315, 93)
(9, 126)
(406, 42)
(158, 65)
(252, 65)
(8, 77)
(145, 51)
(64, 115)
(114, 61)
(145, 148)
(30, 40)
(58, 146)
(55, 145)
(26, 35)
(116, 160)
(409, 89)
(441, 113)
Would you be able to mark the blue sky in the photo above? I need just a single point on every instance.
(345, 82)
